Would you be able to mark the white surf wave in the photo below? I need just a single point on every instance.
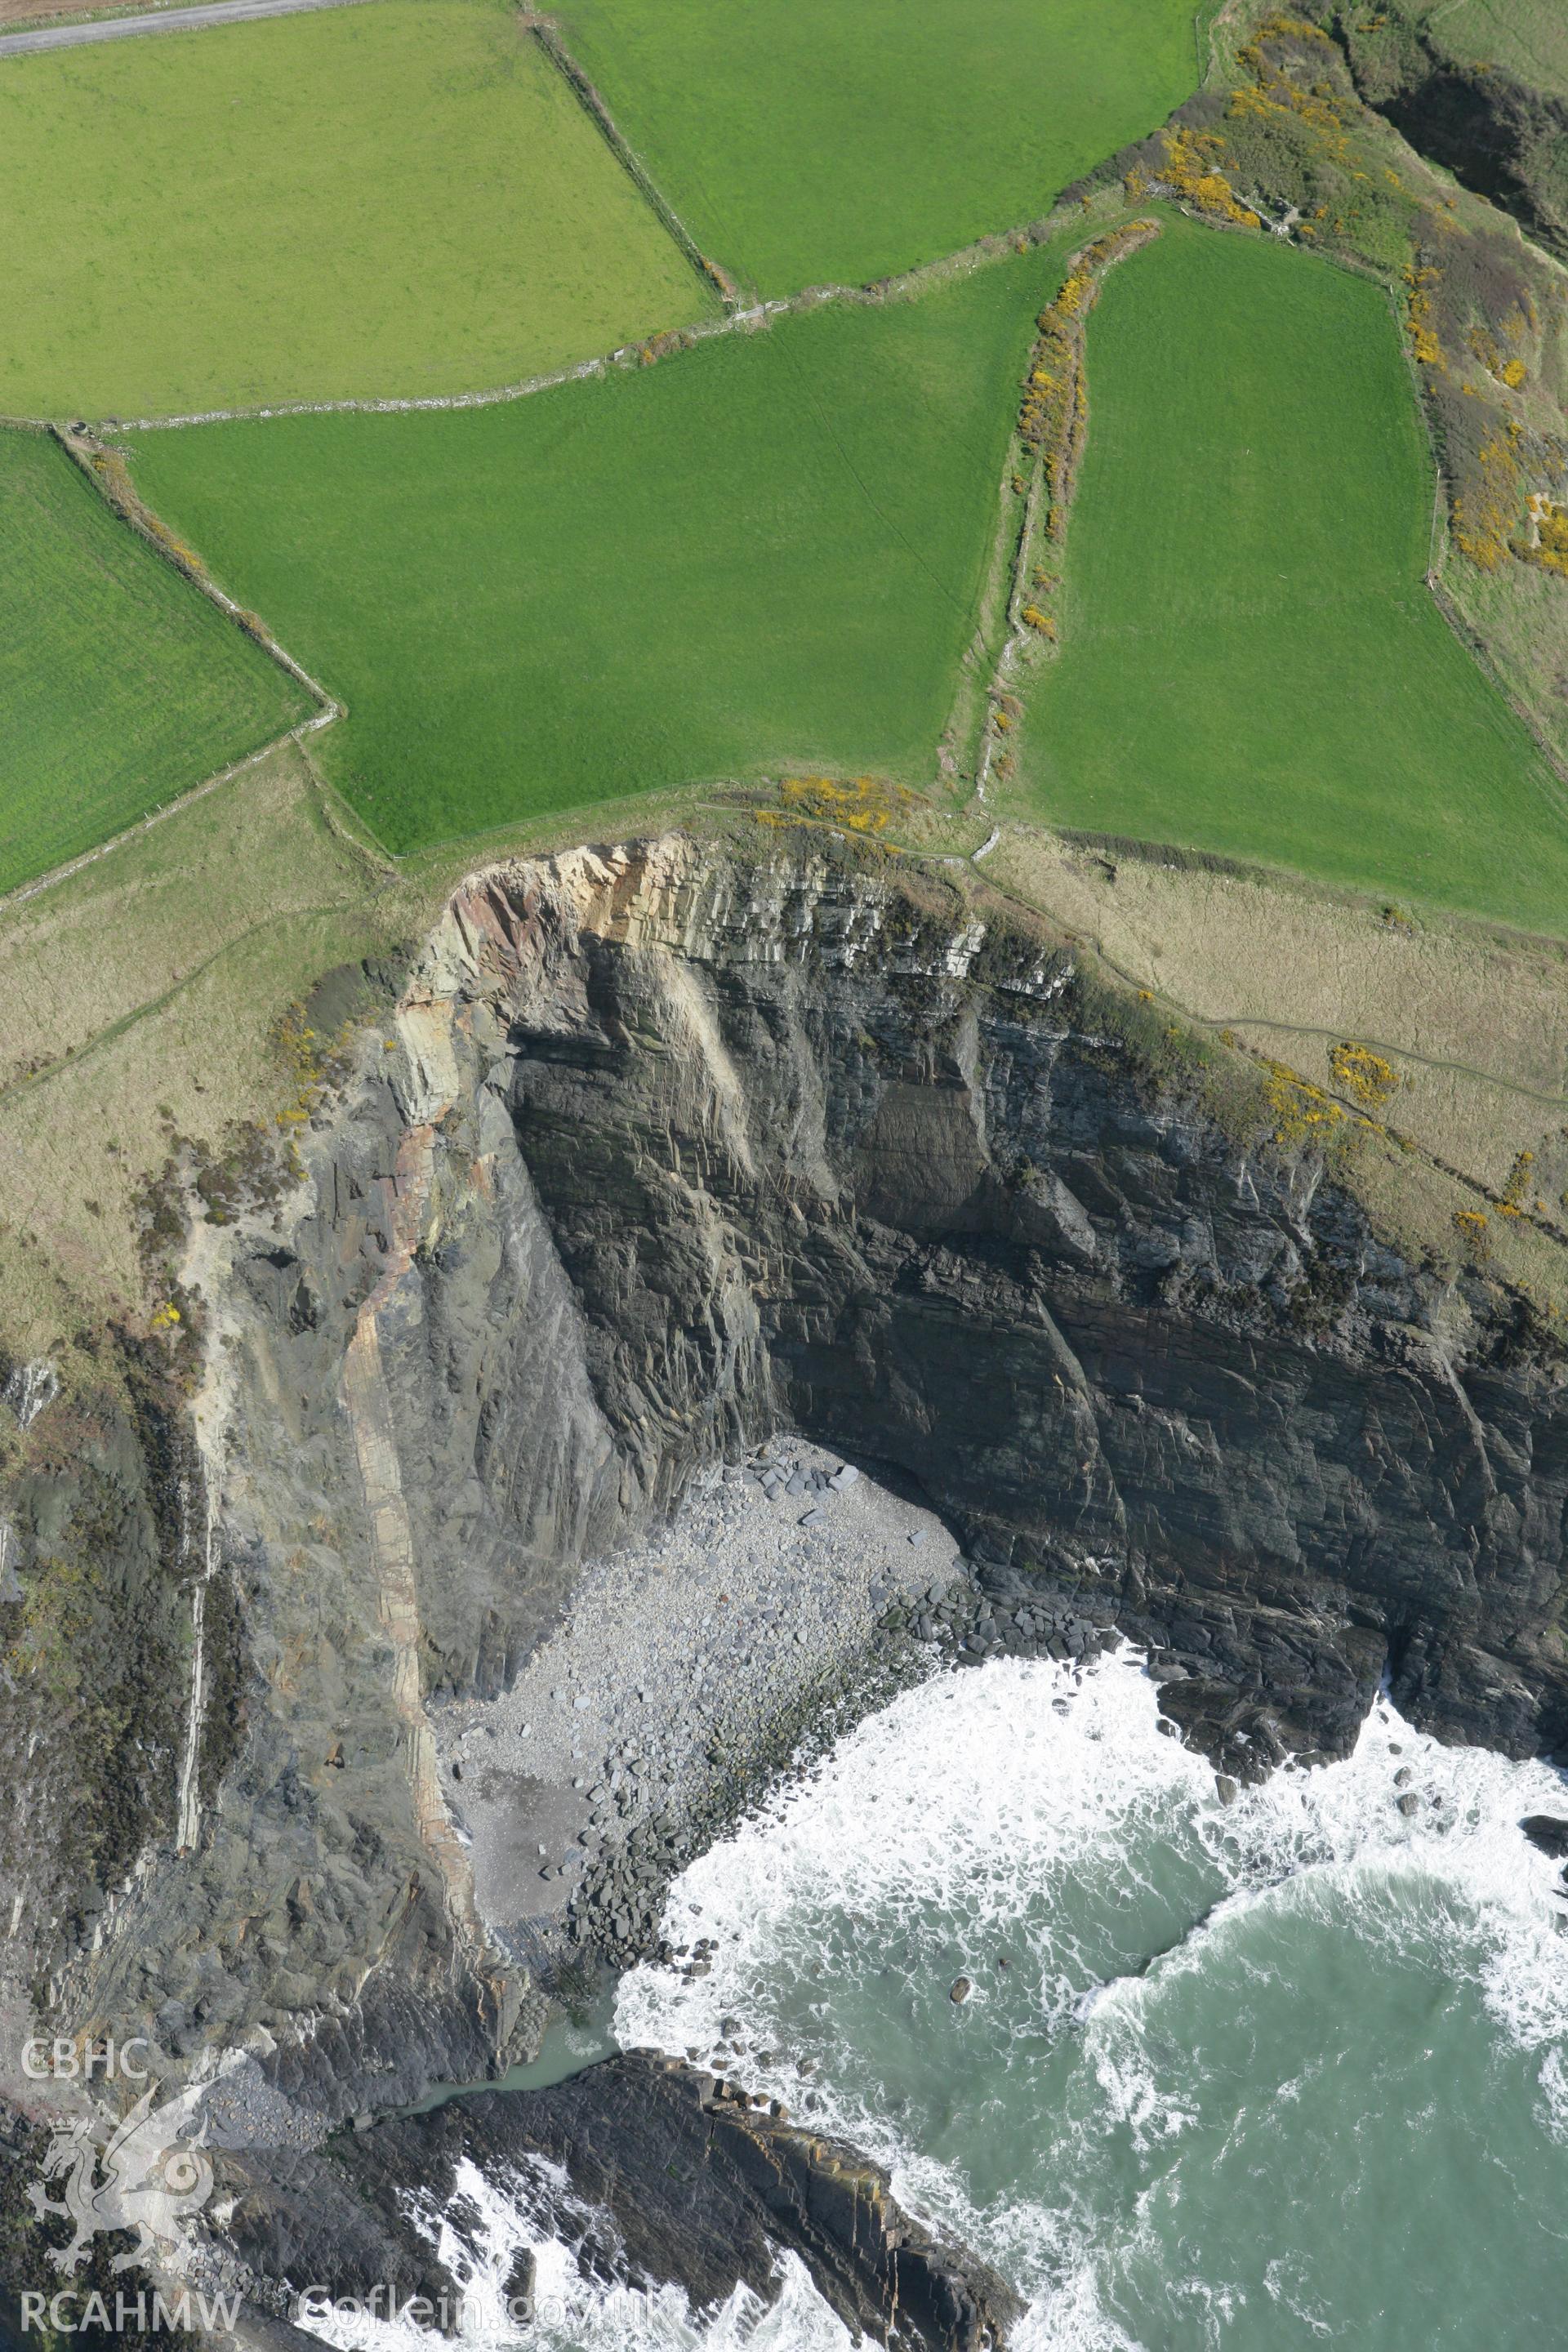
(974, 1802)
(1029, 1828)
(537, 2213)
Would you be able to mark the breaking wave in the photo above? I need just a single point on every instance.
(1275, 2072)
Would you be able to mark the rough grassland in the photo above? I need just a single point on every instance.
(1474, 1019)
(398, 199)
(766, 552)
(805, 141)
(1528, 37)
(142, 994)
(145, 989)
(121, 684)
(1249, 661)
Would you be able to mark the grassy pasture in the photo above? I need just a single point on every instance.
(122, 686)
(766, 552)
(803, 141)
(395, 199)
(1250, 662)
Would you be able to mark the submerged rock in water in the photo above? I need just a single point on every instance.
(1549, 1831)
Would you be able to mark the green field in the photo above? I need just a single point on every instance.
(767, 551)
(805, 141)
(121, 684)
(1249, 661)
(395, 199)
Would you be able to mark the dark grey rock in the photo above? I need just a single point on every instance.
(1341, 1462)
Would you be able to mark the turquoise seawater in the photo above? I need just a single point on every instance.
(1255, 2078)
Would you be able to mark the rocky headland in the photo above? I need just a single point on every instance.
(674, 1177)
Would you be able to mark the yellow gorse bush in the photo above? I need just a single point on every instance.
(1547, 542)
(1365, 1075)
(1054, 410)
(861, 804)
(1484, 517)
(1519, 1178)
(1303, 1112)
(1421, 315)
(1192, 168)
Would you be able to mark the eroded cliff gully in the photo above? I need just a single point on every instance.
(1496, 133)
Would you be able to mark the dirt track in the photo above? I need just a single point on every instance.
(155, 20)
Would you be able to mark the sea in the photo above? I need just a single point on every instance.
(1255, 2076)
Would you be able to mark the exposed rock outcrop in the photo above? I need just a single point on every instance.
(684, 2185)
(100, 1534)
(672, 1145)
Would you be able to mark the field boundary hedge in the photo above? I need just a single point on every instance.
(547, 33)
(1042, 465)
(907, 285)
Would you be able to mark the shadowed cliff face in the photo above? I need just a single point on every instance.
(800, 1146)
(673, 1147)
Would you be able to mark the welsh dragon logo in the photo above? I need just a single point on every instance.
(152, 2181)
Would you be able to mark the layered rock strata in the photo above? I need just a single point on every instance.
(667, 1147)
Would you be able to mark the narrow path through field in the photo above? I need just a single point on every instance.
(97, 1039)
(159, 20)
(1382, 1045)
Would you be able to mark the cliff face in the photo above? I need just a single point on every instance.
(672, 1146)
(99, 1527)
(803, 1147)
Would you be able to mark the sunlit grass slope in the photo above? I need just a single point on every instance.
(805, 141)
(121, 684)
(393, 199)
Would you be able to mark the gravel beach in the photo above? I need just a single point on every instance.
(678, 1665)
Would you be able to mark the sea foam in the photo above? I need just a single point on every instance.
(1036, 1814)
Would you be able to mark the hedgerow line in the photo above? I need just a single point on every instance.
(906, 285)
